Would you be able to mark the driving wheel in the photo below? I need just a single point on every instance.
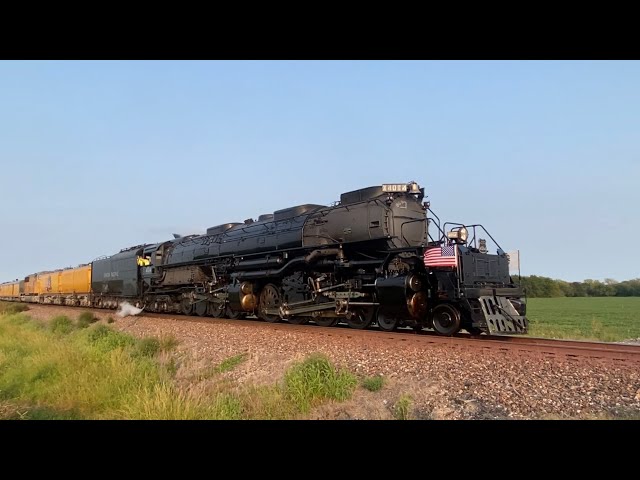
(386, 322)
(201, 308)
(186, 307)
(446, 319)
(361, 318)
(326, 321)
(298, 320)
(269, 298)
(217, 310)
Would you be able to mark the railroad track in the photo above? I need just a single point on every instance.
(628, 353)
(569, 349)
(565, 349)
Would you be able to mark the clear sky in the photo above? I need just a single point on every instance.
(96, 156)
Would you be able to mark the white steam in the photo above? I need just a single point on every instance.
(125, 309)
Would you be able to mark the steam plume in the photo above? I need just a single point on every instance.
(125, 309)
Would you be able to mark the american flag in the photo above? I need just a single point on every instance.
(445, 256)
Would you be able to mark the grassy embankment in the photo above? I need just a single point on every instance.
(64, 369)
(608, 319)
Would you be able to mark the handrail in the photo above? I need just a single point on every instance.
(437, 224)
(474, 232)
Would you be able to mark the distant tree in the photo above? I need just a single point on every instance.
(579, 289)
(566, 288)
(596, 288)
(628, 288)
(537, 286)
(541, 287)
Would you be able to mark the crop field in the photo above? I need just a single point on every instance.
(609, 319)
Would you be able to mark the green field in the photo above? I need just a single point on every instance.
(609, 319)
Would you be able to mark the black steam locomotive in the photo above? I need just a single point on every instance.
(368, 259)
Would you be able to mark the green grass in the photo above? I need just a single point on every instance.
(608, 319)
(59, 370)
(167, 342)
(61, 325)
(373, 384)
(226, 365)
(148, 347)
(85, 319)
(13, 307)
(103, 339)
(230, 363)
(402, 407)
(315, 379)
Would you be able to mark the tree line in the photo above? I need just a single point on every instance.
(548, 287)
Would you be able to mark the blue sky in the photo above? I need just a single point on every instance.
(96, 156)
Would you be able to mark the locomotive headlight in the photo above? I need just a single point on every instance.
(463, 234)
(460, 236)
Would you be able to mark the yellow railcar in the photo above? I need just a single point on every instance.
(48, 283)
(70, 286)
(40, 280)
(75, 280)
(30, 285)
(6, 290)
(10, 290)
